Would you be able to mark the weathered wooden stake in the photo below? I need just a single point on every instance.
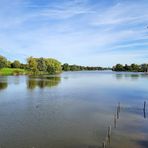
(115, 121)
(144, 105)
(117, 112)
(144, 112)
(109, 134)
(103, 144)
(119, 107)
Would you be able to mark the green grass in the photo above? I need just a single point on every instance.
(13, 71)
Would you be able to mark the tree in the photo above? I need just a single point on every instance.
(8, 64)
(3, 62)
(16, 64)
(65, 67)
(127, 68)
(23, 66)
(44, 65)
(53, 66)
(41, 64)
(144, 67)
(32, 64)
(118, 67)
(135, 67)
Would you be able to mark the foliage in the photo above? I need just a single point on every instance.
(53, 66)
(16, 64)
(44, 65)
(41, 64)
(67, 67)
(8, 64)
(118, 67)
(131, 68)
(32, 64)
(3, 62)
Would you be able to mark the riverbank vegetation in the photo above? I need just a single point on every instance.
(39, 66)
(13, 71)
(67, 67)
(33, 66)
(131, 68)
(42, 66)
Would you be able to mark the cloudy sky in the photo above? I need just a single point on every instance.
(85, 32)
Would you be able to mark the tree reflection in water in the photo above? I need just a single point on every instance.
(42, 82)
(3, 83)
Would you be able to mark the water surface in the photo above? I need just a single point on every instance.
(73, 110)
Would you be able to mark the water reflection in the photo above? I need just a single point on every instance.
(33, 82)
(132, 76)
(3, 85)
(77, 114)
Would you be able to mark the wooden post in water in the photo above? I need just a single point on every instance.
(103, 144)
(144, 109)
(119, 107)
(117, 112)
(115, 121)
(144, 105)
(109, 134)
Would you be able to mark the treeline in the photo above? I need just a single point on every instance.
(67, 67)
(131, 68)
(34, 65)
(4, 63)
(53, 66)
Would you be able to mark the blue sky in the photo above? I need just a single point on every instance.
(84, 32)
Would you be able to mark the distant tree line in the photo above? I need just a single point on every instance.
(67, 67)
(131, 68)
(4, 63)
(53, 66)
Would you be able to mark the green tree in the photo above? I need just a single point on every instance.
(135, 67)
(8, 64)
(23, 66)
(118, 67)
(53, 66)
(144, 67)
(41, 64)
(3, 62)
(32, 64)
(16, 64)
(65, 67)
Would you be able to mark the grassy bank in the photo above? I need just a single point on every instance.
(13, 71)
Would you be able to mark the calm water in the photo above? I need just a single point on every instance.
(73, 110)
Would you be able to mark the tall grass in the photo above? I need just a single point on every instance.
(13, 71)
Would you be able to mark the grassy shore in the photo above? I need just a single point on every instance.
(13, 71)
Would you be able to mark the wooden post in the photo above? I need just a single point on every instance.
(119, 107)
(117, 112)
(103, 144)
(144, 109)
(144, 105)
(115, 121)
(109, 134)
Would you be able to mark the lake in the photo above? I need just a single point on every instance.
(74, 110)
